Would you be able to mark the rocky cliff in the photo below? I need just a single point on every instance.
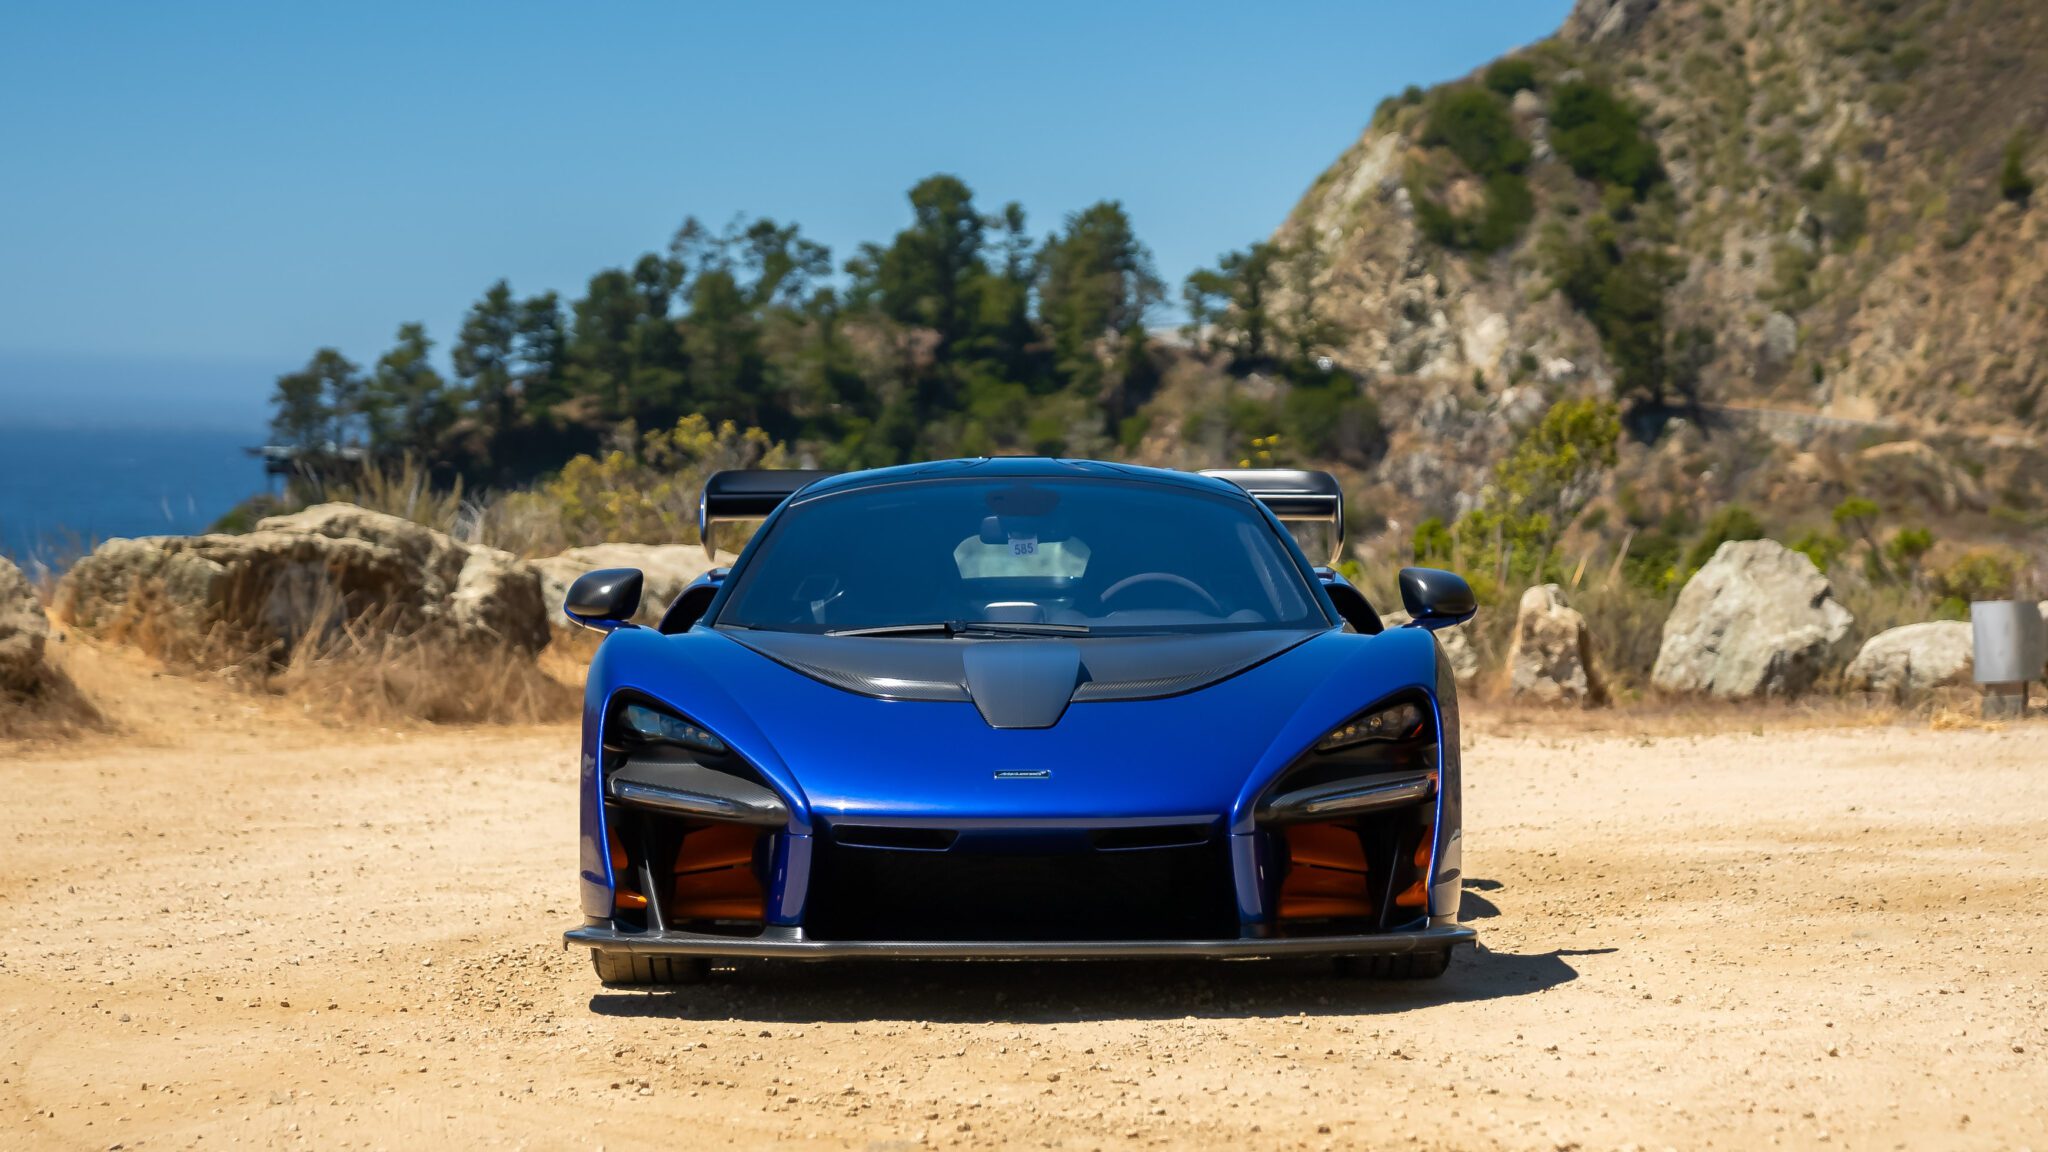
(1806, 225)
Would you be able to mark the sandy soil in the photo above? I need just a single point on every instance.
(232, 925)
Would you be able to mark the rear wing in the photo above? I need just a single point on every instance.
(747, 494)
(1294, 494)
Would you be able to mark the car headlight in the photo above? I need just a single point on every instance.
(1387, 723)
(658, 727)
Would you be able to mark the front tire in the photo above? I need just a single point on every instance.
(1396, 966)
(625, 969)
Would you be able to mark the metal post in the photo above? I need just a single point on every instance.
(2008, 649)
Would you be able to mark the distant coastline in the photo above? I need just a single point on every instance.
(62, 490)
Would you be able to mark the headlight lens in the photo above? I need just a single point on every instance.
(1389, 723)
(661, 727)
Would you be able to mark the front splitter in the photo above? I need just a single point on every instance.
(792, 944)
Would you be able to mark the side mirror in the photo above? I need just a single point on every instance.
(1436, 598)
(604, 599)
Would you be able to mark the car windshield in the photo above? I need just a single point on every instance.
(1024, 557)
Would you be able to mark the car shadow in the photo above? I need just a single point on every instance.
(1056, 992)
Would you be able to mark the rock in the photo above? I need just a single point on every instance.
(669, 568)
(1914, 658)
(223, 598)
(474, 592)
(1551, 657)
(1457, 645)
(1455, 642)
(500, 597)
(24, 631)
(1758, 620)
(1526, 104)
(1592, 21)
(1780, 338)
(437, 557)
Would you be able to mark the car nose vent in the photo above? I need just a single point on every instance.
(1158, 836)
(902, 839)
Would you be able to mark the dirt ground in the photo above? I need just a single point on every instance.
(230, 924)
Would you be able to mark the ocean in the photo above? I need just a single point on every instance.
(63, 490)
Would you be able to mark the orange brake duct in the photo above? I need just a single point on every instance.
(1326, 874)
(1416, 895)
(622, 896)
(715, 877)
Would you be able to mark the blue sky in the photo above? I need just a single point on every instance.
(193, 197)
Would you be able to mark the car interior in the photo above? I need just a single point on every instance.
(1100, 554)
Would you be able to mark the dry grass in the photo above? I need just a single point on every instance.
(364, 669)
(1656, 717)
(55, 709)
(355, 669)
(373, 677)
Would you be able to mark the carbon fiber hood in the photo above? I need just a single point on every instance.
(1019, 683)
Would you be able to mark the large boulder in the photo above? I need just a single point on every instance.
(1550, 659)
(1758, 620)
(668, 568)
(224, 597)
(1914, 658)
(24, 630)
(499, 597)
(1455, 642)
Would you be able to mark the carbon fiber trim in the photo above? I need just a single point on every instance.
(934, 671)
(888, 687)
(1095, 690)
(1154, 686)
(792, 945)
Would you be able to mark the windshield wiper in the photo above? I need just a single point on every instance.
(966, 628)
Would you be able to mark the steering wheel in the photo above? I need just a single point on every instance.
(1181, 582)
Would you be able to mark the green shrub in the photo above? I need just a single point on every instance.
(647, 496)
(1332, 420)
(1855, 513)
(1479, 129)
(1906, 547)
(1540, 488)
(1602, 138)
(1431, 543)
(1823, 548)
(1509, 208)
(1979, 574)
(1652, 561)
(1733, 522)
(1621, 291)
(1511, 75)
(1476, 126)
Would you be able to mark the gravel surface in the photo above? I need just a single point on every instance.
(234, 925)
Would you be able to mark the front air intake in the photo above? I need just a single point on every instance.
(995, 886)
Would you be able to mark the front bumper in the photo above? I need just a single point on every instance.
(792, 944)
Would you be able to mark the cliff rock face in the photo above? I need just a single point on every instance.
(1839, 250)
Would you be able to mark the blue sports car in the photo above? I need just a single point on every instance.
(1019, 708)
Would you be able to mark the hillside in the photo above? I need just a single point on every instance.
(1795, 238)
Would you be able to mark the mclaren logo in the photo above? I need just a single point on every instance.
(1023, 773)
